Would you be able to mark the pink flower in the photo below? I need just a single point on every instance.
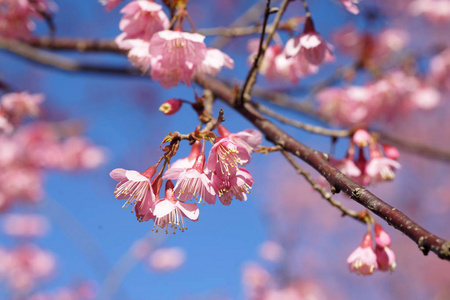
(350, 6)
(167, 259)
(382, 238)
(347, 166)
(271, 251)
(363, 260)
(19, 105)
(248, 138)
(141, 20)
(385, 258)
(192, 182)
(381, 168)
(226, 155)
(171, 212)
(26, 225)
(175, 56)
(309, 45)
(214, 61)
(437, 11)
(234, 186)
(390, 151)
(133, 185)
(361, 138)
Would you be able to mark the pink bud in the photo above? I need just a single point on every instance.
(385, 258)
(382, 238)
(171, 106)
(361, 138)
(390, 151)
(223, 131)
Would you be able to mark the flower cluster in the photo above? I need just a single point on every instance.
(301, 56)
(364, 260)
(381, 100)
(380, 166)
(172, 55)
(197, 178)
(16, 17)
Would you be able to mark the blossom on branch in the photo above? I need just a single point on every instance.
(363, 260)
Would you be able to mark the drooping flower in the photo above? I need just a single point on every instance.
(225, 157)
(381, 168)
(309, 45)
(382, 238)
(363, 260)
(175, 56)
(385, 258)
(192, 182)
(171, 106)
(171, 212)
(235, 186)
(141, 20)
(133, 185)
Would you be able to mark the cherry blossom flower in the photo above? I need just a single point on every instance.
(249, 138)
(167, 259)
(133, 185)
(271, 251)
(171, 212)
(385, 258)
(192, 182)
(141, 20)
(214, 61)
(175, 55)
(390, 151)
(347, 166)
(309, 45)
(19, 105)
(363, 260)
(236, 186)
(437, 11)
(381, 168)
(361, 138)
(226, 155)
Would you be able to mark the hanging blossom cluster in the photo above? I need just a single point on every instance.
(364, 260)
(16, 17)
(196, 178)
(173, 56)
(379, 167)
(301, 56)
(27, 150)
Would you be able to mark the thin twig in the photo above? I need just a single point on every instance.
(251, 76)
(304, 126)
(77, 44)
(325, 195)
(60, 62)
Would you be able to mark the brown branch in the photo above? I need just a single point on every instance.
(76, 44)
(307, 127)
(60, 62)
(423, 238)
(251, 76)
(325, 195)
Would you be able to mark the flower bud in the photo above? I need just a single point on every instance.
(171, 106)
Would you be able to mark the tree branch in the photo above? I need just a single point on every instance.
(423, 238)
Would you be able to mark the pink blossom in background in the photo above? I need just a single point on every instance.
(381, 168)
(363, 260)
(85, 290)
(19, 105)
(256, 280)
(439, 70)
(390, 151)
(309, 45)
(361, 138)
(192, 182)
(271, 251)
(141, 20)
(167, 259)
(133, 185)
(175, 56)
(436, 11)
(25, 225)
(141, 248)
(350, 6)
(347, 166)
(214, 61)
(25, 266)
(110, 4)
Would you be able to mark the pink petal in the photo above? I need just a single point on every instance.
(163, 208)
(118, 174)
(190, 210)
